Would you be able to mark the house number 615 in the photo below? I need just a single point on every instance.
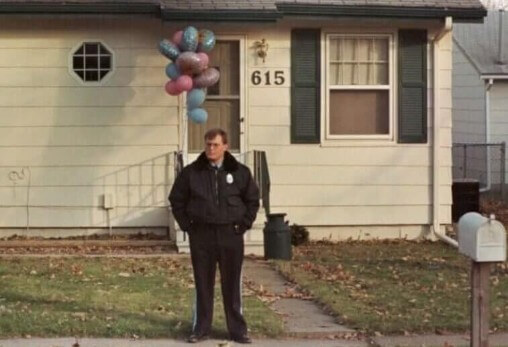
(267, 77)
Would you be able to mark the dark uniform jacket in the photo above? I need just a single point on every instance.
(203, 194)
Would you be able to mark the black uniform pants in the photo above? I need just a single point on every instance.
(211, 244)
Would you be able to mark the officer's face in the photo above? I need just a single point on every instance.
(215, 148)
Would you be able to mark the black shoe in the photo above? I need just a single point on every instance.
(242, 339)
(193, 338)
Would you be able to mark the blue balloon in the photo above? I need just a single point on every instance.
(172, 71)
(198, 115)
(169, 49)
(195, 98)
(189, 39)
(206, 40)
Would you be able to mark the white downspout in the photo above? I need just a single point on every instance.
(436, 143)
(489, 84)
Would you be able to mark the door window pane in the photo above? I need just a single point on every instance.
(221, 114)
(223, 99)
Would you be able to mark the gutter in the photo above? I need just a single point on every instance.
(459, 14)
(500, 58)
(488, 85)
(494, 77)
(221, 15)
(77, 8)
(436, 143)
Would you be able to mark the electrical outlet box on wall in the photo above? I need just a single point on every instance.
(108, 201)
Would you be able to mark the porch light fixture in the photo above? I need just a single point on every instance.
(261, 48)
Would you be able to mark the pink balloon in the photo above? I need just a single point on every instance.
(172, 88)
(184, 83)
(177, 37)
(204, 60)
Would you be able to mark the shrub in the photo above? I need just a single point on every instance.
(299, 234)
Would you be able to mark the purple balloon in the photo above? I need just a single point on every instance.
(189, 63)
(207, 78)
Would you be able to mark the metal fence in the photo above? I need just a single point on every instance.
(485, 162)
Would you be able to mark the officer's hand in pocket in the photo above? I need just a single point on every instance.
(239, 229)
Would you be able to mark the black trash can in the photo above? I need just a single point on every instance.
(277, 237)
(466, 197)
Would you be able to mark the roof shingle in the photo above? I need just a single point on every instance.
(255, 9)
(272, 4)
(480, 42)
(262, 4)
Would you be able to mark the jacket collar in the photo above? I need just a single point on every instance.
(229, 164)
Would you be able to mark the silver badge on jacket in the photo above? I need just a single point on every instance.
(229, 178)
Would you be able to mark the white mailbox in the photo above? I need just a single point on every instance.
(482, 239)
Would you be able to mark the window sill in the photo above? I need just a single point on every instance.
(368, 143)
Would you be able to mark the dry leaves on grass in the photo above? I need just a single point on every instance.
(330, 273)
(87, 250)
(497, 207)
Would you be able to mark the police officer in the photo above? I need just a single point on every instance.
(215, 200)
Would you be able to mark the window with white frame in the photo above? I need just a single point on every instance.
(359, 82)
(92, 61)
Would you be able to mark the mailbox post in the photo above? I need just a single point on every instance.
(484, 241)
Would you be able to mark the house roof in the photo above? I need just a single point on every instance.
(480, 43)
(256, 9)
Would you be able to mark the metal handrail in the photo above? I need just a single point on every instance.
(262, 178)
(178, 162)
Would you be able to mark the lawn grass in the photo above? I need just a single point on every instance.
(395, 286)
(109, 297)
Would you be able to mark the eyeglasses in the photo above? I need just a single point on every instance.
(213, 145)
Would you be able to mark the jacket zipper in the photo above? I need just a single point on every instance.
(217, 186)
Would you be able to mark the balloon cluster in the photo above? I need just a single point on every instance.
(188, 70)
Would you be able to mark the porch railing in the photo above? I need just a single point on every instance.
(178, 162)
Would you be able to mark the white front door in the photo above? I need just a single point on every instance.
(224, 102)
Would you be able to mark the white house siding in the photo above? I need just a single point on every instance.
(499, 123)
(81, 142)
(468, 117)
(347, 188)
(63, 144)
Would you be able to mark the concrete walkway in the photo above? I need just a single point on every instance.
(496, 340)
(70, 342)
(301, 317)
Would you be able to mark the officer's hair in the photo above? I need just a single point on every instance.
(212, 133)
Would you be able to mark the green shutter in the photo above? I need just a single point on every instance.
(412, 86)
(305, 86)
